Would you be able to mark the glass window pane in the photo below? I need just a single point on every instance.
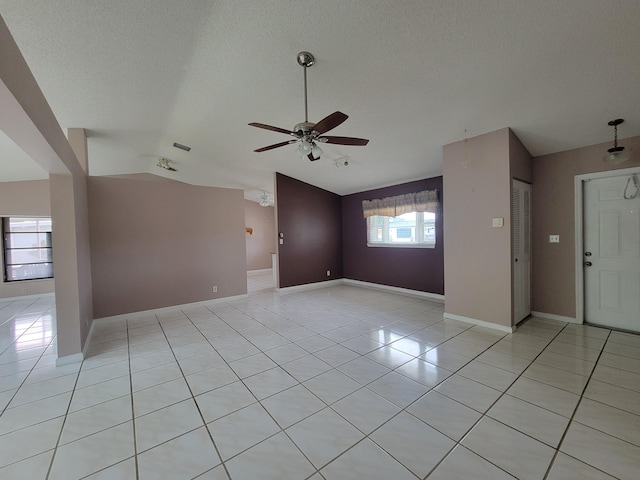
(29, 224)
(27, 248)
(28, 240)
(408, 229)
(27, 272)
(29, 255)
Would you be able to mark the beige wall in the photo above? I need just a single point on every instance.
(29, 199)
(520, 160)
(477, 258)
(477, 181)
(156, 243)
(262, 242)
(553, 275)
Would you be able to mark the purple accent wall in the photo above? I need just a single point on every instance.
(310, 219)
(419, 269)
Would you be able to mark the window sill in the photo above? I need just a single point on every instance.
(400, 245)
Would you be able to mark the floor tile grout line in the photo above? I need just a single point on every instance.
(575, 410)
(193, 398)
(64, 421)
(402, 410)
(484, 414)
(53, 338)
(364, 354)
(133, 409)
(282, 430)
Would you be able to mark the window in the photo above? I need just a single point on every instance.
(414, 229)
(27, 248)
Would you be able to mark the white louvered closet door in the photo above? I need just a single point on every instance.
(521, 249)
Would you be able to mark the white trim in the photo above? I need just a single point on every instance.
(251, 273)
(578, 183)
(482, 323)
(579, 273)
(309, 286)
(552, 316)
(401, 291)
(152, 311)
(88, 339)
(68, 359)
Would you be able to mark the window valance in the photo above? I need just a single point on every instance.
(425, 201)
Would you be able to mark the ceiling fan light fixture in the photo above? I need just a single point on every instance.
(305, 148)
(616, 155)
(316, 151)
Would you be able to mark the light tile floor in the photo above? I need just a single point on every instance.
(334, 383)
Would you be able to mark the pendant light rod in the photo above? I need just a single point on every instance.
(614, 124)
(616, 154)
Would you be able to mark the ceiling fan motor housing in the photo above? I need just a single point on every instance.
(303, 128)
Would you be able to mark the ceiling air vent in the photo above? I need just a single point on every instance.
(181, 146)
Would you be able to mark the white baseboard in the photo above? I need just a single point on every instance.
(559, 318)
(482, 323)
(68, 359)
(357, 283)
(401, 291)
(154, 311)
(251, 273)
(310, 286)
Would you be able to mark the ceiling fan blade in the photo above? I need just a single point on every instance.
(312, 158)
(276, 145)
(330, 122)
(344, 140)
(272, 128)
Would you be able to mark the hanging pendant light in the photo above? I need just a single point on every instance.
(616, 154)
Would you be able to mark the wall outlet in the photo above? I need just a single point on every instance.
(554, 238)
(328, 273)
(215, 289)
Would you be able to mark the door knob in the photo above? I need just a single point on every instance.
(587, 254)
(587, 264)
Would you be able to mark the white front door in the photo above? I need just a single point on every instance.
(612, 252)
(521, 247)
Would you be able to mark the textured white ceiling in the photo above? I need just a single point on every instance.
(412, 76)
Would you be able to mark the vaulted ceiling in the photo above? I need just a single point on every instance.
(413, 76)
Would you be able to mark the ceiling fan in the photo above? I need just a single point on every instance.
(307, 133)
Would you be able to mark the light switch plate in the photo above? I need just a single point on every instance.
(497, 222)
(554, 238)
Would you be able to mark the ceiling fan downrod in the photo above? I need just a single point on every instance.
(305, 60)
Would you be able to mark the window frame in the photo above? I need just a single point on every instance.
(7, 248)
(419, 228)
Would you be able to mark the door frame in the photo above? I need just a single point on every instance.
(579, 181)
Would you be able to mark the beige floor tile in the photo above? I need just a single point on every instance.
(602, 451)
